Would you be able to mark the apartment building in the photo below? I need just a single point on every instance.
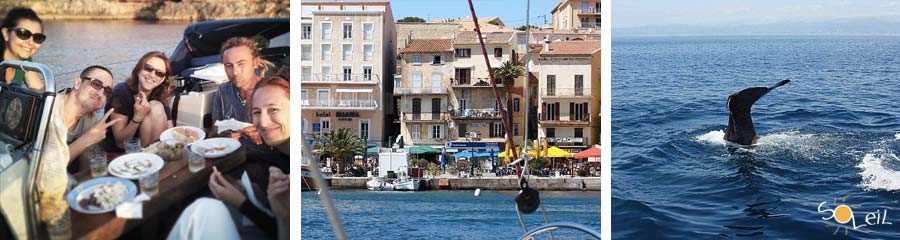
(426, 67)
(568, 93)
(347, 61)
(580, 14)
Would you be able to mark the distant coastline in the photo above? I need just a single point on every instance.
(152, 10)
(862, 26)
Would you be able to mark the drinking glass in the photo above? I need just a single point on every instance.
(196, 162)
(98, 164)
(149, 183)
(133, 145)
(61, 228)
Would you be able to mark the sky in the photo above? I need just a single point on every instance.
(640, 13)
(512, 12)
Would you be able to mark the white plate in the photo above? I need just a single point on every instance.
(229, 145)
(167, 134)
(85, 189)
(137, 164)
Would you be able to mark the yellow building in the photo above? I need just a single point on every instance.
(580, 14)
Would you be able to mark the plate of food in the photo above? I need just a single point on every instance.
(133, 165)
(101, 195)
(216, 147)
(186, 134)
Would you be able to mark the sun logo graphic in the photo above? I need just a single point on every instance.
(842, 213)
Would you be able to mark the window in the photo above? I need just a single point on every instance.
(436, 82)
(416, 107)
(437, 132)
(461, 129)
(326, 125)
(552, 111)
(348, 30)
(579, 132)
(368, 51)
(435, 108)
(305, 52)
(551, 132)
(498, 52)
(437, 59)
(417, 81)
(323, 98)
(348, 52)
(551, 85)
(305, 73)
(304, 97)
(462, 102)
(326, 52)
(326, 73)
(579, 111)
(368, 31)
(417, 59)
(367, 73)
(364, 129)
(584, 7)
(516, 129)
(579, 85)
(463, 75)
(416, 131)
(516, 104)
(497, 130)
(463, 53)
(326, 30)
(307, 31)
(348, 73)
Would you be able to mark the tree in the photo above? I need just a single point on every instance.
(522, 28)
(341, 145)
(507, 74)
(412, 19)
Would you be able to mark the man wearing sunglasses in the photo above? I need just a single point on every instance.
(78, 106)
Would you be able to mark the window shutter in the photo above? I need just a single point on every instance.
(557, 111)
(491, 129)
(571, 111)
(544, 111)
(442, 58)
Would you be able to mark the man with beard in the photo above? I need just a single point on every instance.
(78, 107)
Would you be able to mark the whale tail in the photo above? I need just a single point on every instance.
(740, 124)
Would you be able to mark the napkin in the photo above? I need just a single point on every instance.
(231, 124)
(133, 209)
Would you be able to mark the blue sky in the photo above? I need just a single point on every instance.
(512, 12)
(637, 13)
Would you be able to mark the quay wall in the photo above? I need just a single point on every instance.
(543, 183)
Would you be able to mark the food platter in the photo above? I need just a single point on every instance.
(185, 134)
(216, 147)
(101, 195)
(133, 165)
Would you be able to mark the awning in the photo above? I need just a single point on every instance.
(423, 150)
(354, 90)
(557, 152)
(593, 152)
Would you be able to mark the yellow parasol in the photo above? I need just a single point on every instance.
(557, 152)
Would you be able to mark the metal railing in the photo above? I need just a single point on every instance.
(590, 10)
(564, 118)
(590, 25)
(565, 92)
(477, 113)
(420, 90)
(339, 104)
(480, 82)
(425, 116)
(341, 78)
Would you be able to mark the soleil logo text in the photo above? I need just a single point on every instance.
(843, 214)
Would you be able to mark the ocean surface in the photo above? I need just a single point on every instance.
(445, 214)
(832, 135)
(74, 45)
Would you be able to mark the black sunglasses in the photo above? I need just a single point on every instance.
(157, 72)
(98, 85)
(24, 34)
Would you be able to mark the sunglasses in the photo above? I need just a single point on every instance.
(157, 72)
(98, 85)
(25, 34)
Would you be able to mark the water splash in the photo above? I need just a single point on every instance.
(897, 136)
(715, 137)
(880, 170)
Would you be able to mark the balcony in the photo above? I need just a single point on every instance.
(420, 91)
(486, 113)
(566, 120)
(361, 79)
(589, 11)
(590, 25)
(425, 117)
(339, 104)
(566, 92)
(479, 83)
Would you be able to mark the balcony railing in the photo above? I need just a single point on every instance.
(339, 104)
(306, 56)
(425, 116)
(341, 78)
(566, 120)
(590, 10)
(590, 25)
(480, 82)
(566, 92)
(477, 113)
(420, 90)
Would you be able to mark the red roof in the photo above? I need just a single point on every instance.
(428, 46)
(571, 48)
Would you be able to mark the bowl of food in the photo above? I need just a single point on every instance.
(171, 149)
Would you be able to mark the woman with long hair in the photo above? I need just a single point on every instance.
(141, 103)
(23, 34)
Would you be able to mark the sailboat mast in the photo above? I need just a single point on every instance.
(527, 79)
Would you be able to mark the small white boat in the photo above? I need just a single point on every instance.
(406, 185)
(379, 184)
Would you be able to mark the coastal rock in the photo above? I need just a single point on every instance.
(152, 10)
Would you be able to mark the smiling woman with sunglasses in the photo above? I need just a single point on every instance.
(140, 103)
(22, 38)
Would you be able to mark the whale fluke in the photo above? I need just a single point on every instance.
(740, 124)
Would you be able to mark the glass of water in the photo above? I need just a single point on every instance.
(61, 228)
(196, 162)
(133, 145)
(98, 164)
(150, 183)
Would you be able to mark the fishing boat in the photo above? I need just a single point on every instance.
(379, 184)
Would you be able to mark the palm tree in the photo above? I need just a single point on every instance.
(341, 145)
(507, 74)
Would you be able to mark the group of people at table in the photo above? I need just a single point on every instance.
(139, 108)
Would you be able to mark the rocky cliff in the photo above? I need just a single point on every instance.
(152, 10)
